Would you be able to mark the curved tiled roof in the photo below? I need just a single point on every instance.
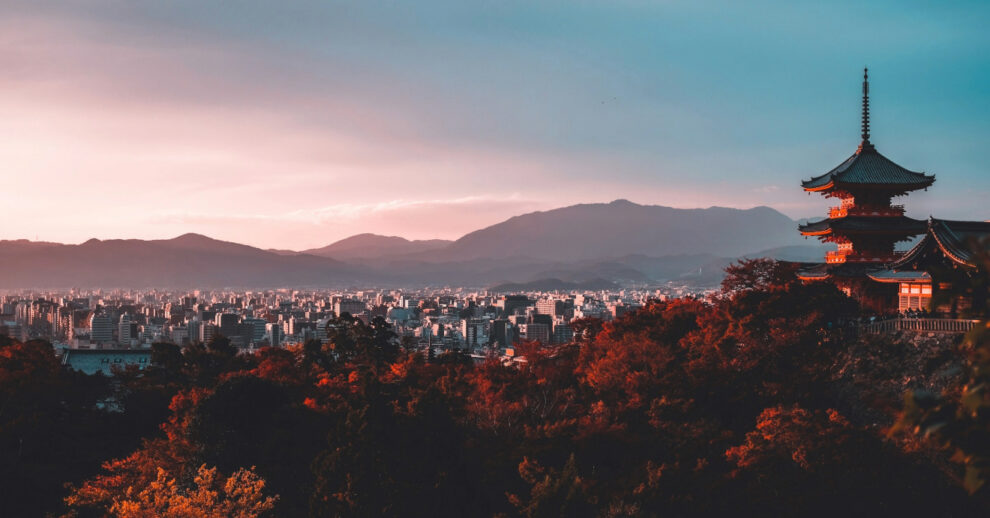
(822, 271)
(952, 238)
(864, 224)
(891, 276)
(868, 167)
(818, 272)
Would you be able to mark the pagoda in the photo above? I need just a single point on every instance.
(865, 224)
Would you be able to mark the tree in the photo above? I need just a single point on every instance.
(960, 422)
(757, 275)
(241, 495)
(350, 339)
(41, 402)
(553, 492)
(167, 356)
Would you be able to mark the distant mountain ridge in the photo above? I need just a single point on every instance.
(374, 245)
(589, 232)
(620, 228)
(619, 242)
(189, 260)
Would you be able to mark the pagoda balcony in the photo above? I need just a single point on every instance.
(835, 257)
(853, 210)
(844, 256)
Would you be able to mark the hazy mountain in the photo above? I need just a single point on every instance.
(620, 228)
(280, 251)
(704, 269)
(635, 268)
(619, 242)
(190, 260)
(374, 245)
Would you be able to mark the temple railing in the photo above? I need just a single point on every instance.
(920, 325)
(854, 210)
(845, 256)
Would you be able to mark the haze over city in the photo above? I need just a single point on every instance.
(295, 125)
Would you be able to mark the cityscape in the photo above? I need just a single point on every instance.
(494, 259)
(476, 323)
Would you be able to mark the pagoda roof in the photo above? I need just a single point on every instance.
(889, 276)
(823, 271)
(952, 239)
(864, 225)
(817, 272)
(868, 168)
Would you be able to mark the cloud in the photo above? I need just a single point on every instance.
(353, 211)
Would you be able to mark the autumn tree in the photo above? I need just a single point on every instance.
(960, 422)
(241, 495)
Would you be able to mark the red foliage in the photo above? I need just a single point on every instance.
(809, 439)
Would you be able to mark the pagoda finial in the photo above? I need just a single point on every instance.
(866, 107)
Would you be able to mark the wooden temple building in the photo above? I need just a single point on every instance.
(866, 227)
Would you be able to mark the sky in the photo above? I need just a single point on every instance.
(293, 124)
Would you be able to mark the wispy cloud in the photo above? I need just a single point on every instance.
(353, 211)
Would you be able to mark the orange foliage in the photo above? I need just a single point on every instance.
(792, 432)
(240, 496)
(139, 469)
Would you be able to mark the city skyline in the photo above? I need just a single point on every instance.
(298, 126)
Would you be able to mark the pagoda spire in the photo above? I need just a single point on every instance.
(865, 144)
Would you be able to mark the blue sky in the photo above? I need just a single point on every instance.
(293, 124)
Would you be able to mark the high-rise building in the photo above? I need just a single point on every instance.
(229, 324)
(194, 327)
(258, 329)
(510, 303)
(475, 331)
(555, 307)
(321, 329)
(350, 306)
(207, 331)
(537, 332)
(502, 333)
(126, 330)
(274, 334)
(100, 329)
(562, 333)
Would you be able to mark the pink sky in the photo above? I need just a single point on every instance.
(117, 130)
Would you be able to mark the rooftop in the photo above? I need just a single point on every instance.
(867, 167)
(822, 271)
(953, 238)
(91, 361)
(904, 276)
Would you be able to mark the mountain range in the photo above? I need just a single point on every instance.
(619, 242)
(373, 245)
